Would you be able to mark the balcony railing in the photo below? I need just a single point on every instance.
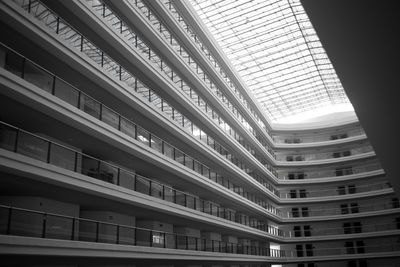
(23, 222)
(191, 33)
(359, 228)
(333, 191)
(329, 173)
(346, 209)
(323, 137)
(127, 33)
(326, 155)
(39, 148)
(47, 81)
(192, 63)
(78, 41)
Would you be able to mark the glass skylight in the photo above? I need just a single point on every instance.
(276, 51)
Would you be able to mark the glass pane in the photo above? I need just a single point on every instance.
(7, 137)
(66, 92)
(90, 106)
(168, 150)
(26, 223)
(14, 63)
(156, 143)
(143, 136)
(108, 173)
(127, 127)
(87, 230)
(127, 179)
(107, 233)
(143, 237)
(58, 227)
(126, 235)
(180, 198)
(38, 76)
(90, 167)
(156, 190)
(142, 185)
(110, 117)
(32, 146)
(62, 157)
(169, 194)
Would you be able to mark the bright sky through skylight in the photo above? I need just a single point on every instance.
(276, 51)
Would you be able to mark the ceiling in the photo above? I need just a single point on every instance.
(275, 50)
(361, 40)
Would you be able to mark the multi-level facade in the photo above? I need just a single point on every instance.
(125, 139)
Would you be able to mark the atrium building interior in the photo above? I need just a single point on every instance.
(202, 133)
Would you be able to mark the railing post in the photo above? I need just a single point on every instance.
(48, 152)
(44, 225)
(97, 231)
(9, 221)
(16, 141)
(117, 239)
(73, 229)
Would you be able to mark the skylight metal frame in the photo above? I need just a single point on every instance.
(276, 51)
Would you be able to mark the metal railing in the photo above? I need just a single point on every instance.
(39, 148)
(47, 81)
(24, 222)
(77, 40)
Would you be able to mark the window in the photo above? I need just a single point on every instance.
(344, 208)
(303, 193)
(309, 250)
(295, 212)
(341, 190)
(293, 194)
(297, 231)
(291, 176)
(304, 212)
(354, 208)
(299, 251)
(395, 203)
(347, 228)
(346, 153)
(351, 189)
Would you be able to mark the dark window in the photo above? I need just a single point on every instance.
(354, 208)
(362, 263)
(341, 190)
(295, 212)
(297, 231)
(346, 153)
(347, 228)
(349, 247)
(303, 193)
(304, 212)
(344, 208)
(336, 154)
(395, 203)
(299, 250)
(299, 158)
(293, 194)
(309, 250)
(398, 222)
(344, 135)
(289, 158)
(352, 264)
(300, 176)
(357, 227)
(339, 172)
(360, 247)
(352, 189)
(291, 176)
(334, 137)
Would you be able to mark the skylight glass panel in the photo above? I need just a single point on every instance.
(275, 50)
